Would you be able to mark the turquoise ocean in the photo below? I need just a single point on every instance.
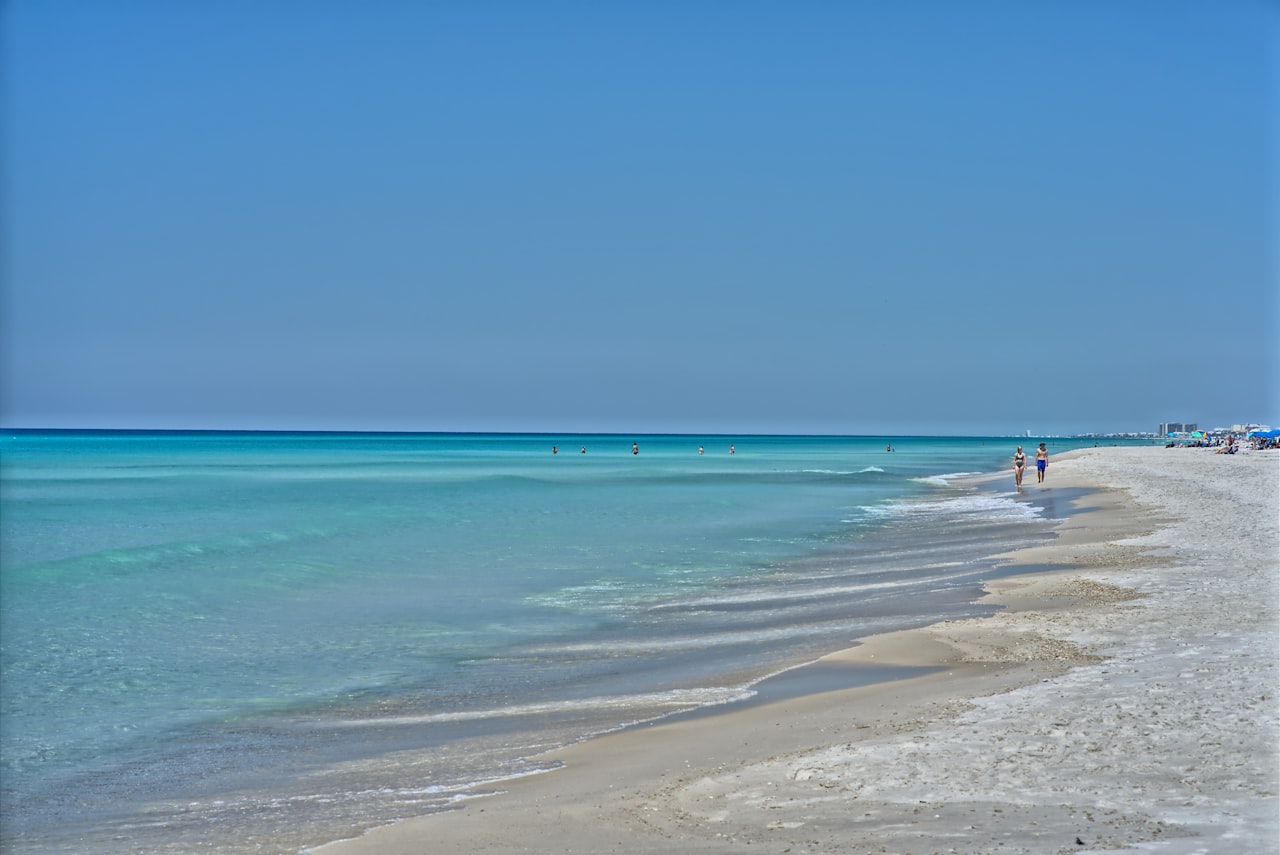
(264, 641)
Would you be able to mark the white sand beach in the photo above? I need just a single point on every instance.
(1128, 704)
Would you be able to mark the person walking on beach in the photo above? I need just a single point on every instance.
(1042, 463)
(1019, 463)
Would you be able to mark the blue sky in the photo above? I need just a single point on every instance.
(829, 217)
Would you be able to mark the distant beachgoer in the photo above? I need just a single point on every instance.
(555, 450)
(635, 448)
(1042, 463)
(584, 449)
(888, 448)
(731, 448)
(1019, 463)
(699, 449)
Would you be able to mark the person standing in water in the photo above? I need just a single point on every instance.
(1019, 464)
(635, 448)
(1042, 463)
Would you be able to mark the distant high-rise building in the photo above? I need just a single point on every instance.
(1176, 427)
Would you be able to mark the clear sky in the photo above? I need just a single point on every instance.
(829, 217)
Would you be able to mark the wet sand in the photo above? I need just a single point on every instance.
(1127, 703)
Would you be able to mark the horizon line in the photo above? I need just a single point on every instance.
(570, 433)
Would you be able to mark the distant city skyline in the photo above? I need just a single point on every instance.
(858, 219)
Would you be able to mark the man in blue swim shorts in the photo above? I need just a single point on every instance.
(1042, 463)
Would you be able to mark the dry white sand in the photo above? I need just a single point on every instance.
(1126, 705)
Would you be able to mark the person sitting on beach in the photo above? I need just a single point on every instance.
(1019, 463)
(1042, 463)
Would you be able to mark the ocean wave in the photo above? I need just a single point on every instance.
(964, 507)
(945, 479)
(164, 556)
(705, 640)
(774, 595)
(676, 698)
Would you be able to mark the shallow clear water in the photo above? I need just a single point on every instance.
(235, 640)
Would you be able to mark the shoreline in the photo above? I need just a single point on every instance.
(1113, 702)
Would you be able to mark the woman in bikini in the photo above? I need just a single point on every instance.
(1019, 463)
